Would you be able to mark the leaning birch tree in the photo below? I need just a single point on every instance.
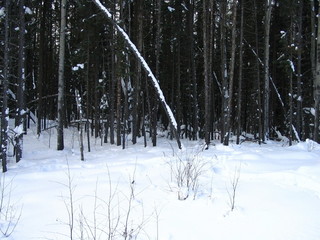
(146, 67)
(60, 142)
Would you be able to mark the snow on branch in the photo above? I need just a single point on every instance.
(145, 65)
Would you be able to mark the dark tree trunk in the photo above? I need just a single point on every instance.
(239, 107)
(211, 99)
(192, 72)
(118, 79)
(61, 82)
(42, 64)
(137, 82)
(299, 128)
(20, 109)
(231, 71)
(206, 74)
(291, 89)
(154, 111)
(267, 25)
(112, 82)
(224, 69)
(258, 84)
(5, 86)
(126, 114)
(317, 87)
(313, 60)
(88, 97)
(80, 113)
(96, 96)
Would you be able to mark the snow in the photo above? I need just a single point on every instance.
(292, 66)
(23, 112)
(171, 9)
(2, 12)
(18, 130)
(226, 94)
(278, 194)
(283, 34)
(78, 66)
(12, 94)
(278, 94)
(28, 10)
(310, 110)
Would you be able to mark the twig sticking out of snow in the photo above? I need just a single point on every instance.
(234, 186)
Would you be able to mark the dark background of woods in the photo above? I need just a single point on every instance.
(211, 58)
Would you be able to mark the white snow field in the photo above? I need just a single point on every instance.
(133, 193)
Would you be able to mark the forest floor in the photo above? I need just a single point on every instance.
(247, 191)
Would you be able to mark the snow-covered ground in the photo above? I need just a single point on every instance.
(136, 191)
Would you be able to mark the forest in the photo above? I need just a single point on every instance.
(227, 70)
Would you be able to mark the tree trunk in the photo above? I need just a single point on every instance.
(317, 87)
(126, 112)
(240, 74)
(42, 65)
(118, 79)
(258, 87)
(291, 88)
(88, 96)
(231, 71)
(313, 52)
(300, 126)
(61, 93)
(267, 24)
(192, 60)
(206, 73)
(212, 27)
(178, 75)
(97, 95)
(224, 69)
(80, 113)
(127, 82)
(155, 104)
(20, 109)
(137, 83)
(113, 80)
(5, 86)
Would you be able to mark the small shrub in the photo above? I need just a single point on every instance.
(186, 169)
(10, 214)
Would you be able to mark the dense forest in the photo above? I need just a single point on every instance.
(227, 70)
